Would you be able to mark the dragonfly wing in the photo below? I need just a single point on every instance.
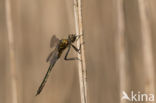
(50, 55)
(52, 63)
(54, 41)
(54, 56)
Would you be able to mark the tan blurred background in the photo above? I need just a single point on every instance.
(119, 50)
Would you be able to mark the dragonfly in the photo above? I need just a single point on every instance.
(59, 46)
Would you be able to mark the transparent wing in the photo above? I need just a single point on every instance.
(53, 59)
(54, 41)
(52, 55)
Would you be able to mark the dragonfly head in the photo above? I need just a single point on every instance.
(72, 37)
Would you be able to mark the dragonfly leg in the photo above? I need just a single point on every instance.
(77, 49)
(66, 58)
(78, 36)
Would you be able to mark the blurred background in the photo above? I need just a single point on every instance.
(119, 50)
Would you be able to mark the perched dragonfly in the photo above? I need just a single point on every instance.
(60, 46)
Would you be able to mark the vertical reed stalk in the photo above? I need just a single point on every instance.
(81, 64)
(11, 51)
(121, 50)
(147, 47)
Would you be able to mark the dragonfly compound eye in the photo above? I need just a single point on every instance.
(72, 37)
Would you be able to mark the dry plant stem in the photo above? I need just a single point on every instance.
(121, 50)
(147, 47)
(11, 51)
(81, 64)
